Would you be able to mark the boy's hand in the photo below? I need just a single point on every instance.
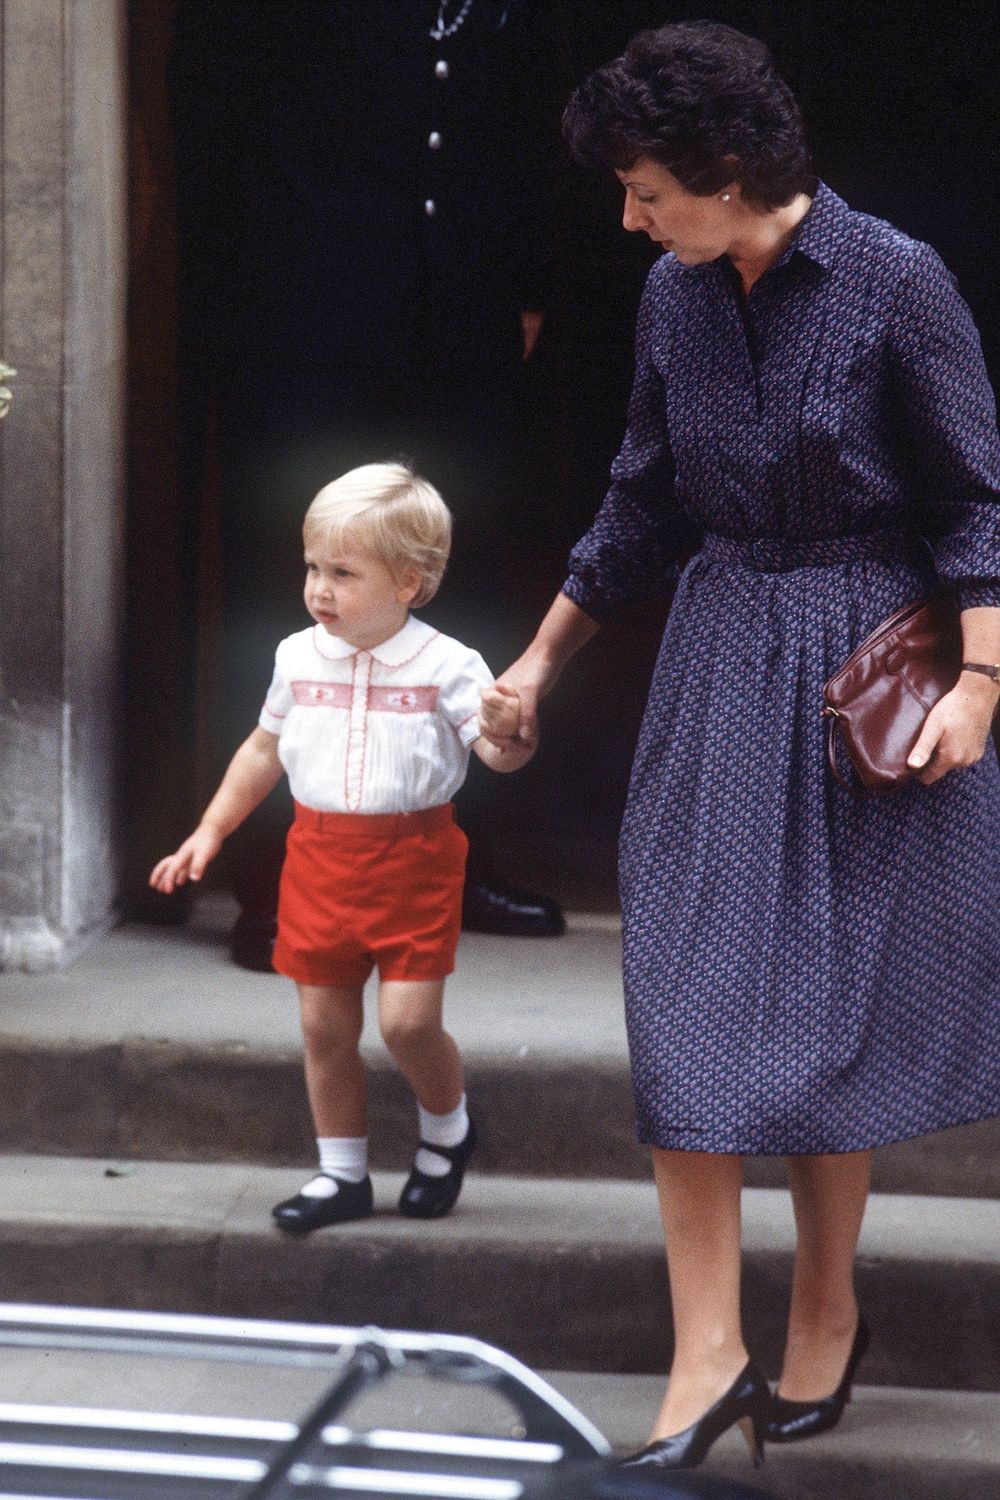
(500, 715)
(189, 861)
(504, 743)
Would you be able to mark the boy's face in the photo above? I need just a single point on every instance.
(354, 596)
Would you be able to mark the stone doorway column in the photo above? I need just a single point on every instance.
(63, 253)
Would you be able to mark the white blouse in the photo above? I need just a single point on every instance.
(377, 731)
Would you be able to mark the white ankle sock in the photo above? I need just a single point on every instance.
(344, 1156)
(440, 1130)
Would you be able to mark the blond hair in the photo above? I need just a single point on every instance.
(392, 512)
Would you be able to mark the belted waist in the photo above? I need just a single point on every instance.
(376, 825)
(781, 554)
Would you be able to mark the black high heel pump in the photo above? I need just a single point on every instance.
(746, 1402)
(791, 1420)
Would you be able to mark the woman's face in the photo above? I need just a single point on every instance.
(695, 229)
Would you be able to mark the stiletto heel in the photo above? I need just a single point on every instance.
(790, 1421)
(746, 1403)
(753, 1430)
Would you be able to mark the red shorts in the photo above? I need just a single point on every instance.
(367, 890)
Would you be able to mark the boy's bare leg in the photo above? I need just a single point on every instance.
(332, 1019)
(335, 1081)
(410, 1016)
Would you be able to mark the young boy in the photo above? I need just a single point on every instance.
(372, 714)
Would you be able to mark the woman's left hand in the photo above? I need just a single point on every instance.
(956, 729)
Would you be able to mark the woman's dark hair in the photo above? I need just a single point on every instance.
(693, 96)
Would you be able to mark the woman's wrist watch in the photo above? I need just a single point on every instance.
(985, 668)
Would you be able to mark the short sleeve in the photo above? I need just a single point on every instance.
(278, 699)
(950, 414)
(627, 555)
(458, 701)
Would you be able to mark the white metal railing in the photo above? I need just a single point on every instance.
(150, 1454)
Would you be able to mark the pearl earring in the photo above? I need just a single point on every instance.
(726, 197)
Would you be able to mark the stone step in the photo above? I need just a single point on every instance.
(893, 1443)
(565, 1274)
(154, 1045)
(539, 1115)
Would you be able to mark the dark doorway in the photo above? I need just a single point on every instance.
(903, 111)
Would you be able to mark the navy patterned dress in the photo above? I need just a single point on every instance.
(804, 971)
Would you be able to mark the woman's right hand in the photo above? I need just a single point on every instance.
(530, 677)
(561, 634)
(189, 862)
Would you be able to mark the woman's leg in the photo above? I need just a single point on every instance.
(829, 1194)
(332, 1019)
(410, 1015)
(699, 1196)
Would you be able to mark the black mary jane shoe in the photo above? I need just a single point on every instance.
(746, 1402)
(790, 1421)
(298, 1215)
(425, 1197)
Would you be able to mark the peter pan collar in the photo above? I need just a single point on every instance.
(394, 652)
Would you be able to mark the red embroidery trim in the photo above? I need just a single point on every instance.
(420, 699)
(406, 663)
(318, 634)
(353, 803)
(403, 700)
(322, 694)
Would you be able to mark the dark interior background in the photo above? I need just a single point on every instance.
(903, 110)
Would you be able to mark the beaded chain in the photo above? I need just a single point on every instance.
(439, 30)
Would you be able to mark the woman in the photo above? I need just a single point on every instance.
(807, 973)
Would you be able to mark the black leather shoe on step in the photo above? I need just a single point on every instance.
(746, 1402)
(352, 1200)
(251, 941)
(425, 1197)
(506, 912)
(789, 1421)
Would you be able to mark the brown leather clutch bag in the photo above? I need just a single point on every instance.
(877, 703)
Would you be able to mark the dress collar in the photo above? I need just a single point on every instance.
(818, 236)
(399, 648)
(820, 232)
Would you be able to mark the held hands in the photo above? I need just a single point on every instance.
(561, 634)
(189, 861)
(503, 743)
(500, 715)
(956, 729)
